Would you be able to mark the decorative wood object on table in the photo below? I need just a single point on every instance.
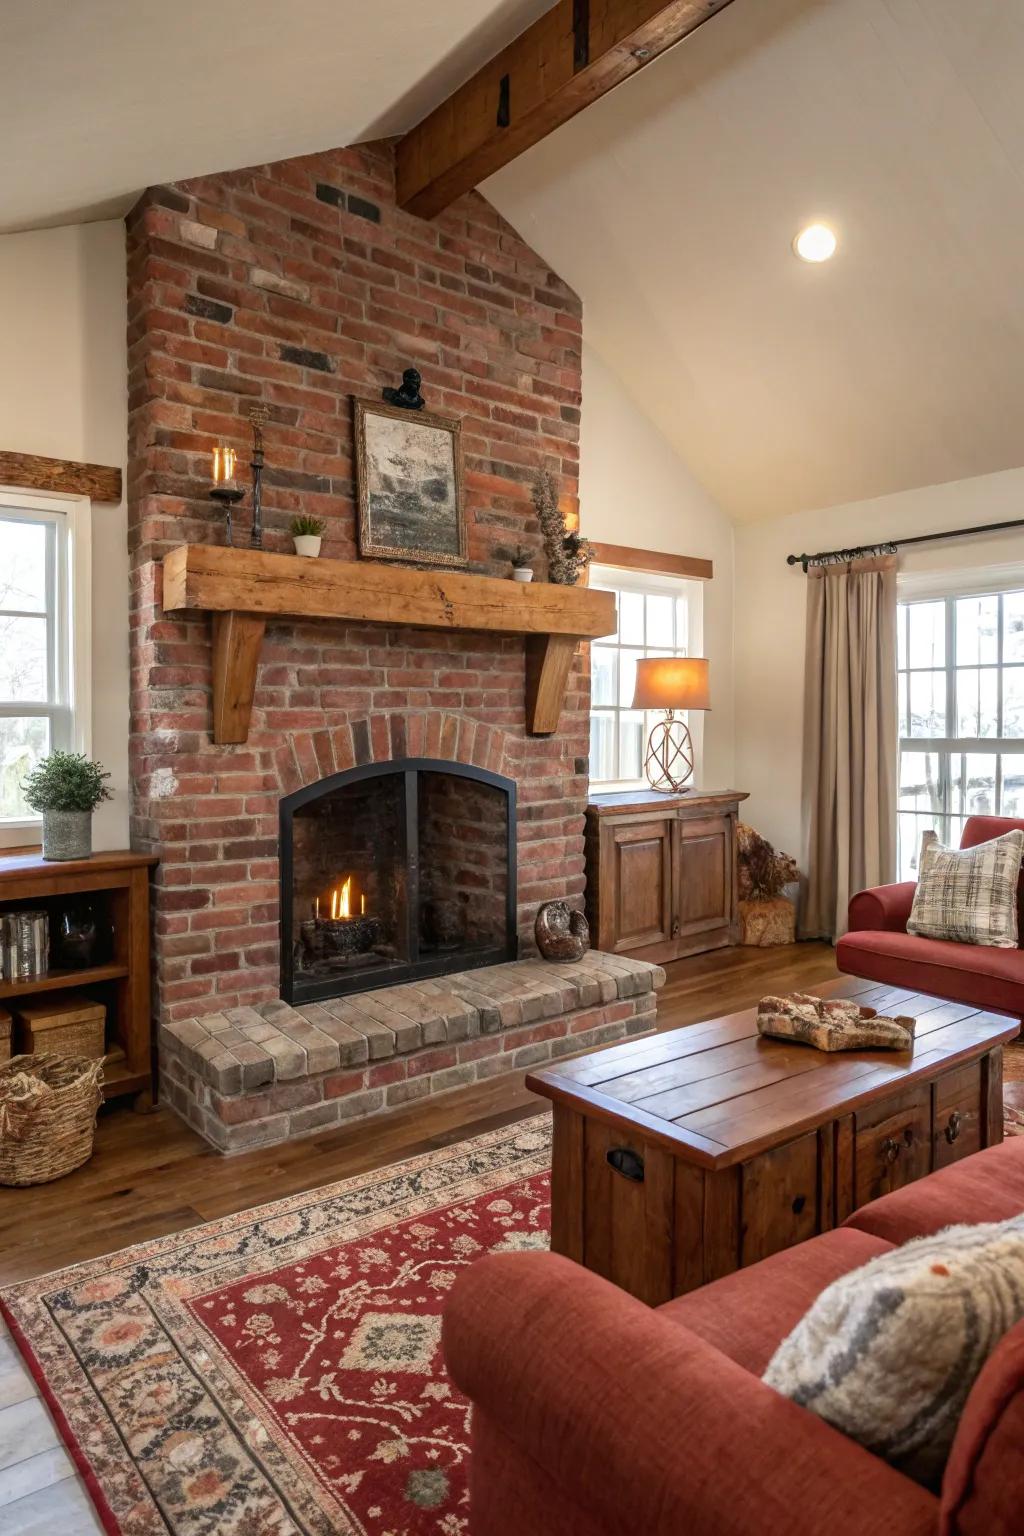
(569, 57)
(100, 482)
(241, 588)
(661, 872)
(684, 1156)
(123, 982)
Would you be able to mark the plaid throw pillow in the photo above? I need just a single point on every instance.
(968, 895)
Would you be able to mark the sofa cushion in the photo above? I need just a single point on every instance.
(981, 1491)
(888, 1354)
(747, 1314)
(968, 894)
(963, 973)
(987, 1187)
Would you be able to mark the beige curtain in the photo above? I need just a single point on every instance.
(850, 738)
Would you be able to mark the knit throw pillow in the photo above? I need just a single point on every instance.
(969, 895)
(888, 1353)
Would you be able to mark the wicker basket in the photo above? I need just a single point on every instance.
(48, 1107)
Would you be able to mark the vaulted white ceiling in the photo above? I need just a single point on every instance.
(672, 203)
(100, 98)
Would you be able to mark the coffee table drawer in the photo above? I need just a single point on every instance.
(892, 1144)
(956, 1115)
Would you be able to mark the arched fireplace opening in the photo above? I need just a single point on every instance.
(394, 871)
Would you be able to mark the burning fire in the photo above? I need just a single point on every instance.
(341, 901)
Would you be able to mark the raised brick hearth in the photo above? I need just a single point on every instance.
(255, 1076)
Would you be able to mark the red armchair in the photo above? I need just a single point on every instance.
(879, 947)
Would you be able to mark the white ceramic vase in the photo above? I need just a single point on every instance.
(307, 544)
(522, 573)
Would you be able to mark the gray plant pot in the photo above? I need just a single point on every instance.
(67, 834)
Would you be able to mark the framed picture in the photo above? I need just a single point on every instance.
(409, 477)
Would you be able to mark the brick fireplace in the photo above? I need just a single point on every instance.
(299, 285)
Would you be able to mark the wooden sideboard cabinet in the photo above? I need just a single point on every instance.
(661, 872)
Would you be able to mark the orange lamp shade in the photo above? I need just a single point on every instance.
(672, 682)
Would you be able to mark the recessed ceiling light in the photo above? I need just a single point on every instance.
(815, 243)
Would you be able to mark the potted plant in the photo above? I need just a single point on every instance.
(66, 788)
(522, 570)
(308, 534)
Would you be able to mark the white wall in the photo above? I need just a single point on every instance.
(635, 490)
(63, 394)
(770, 607)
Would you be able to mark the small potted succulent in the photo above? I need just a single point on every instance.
(66, 788)
(308, 535)
(522, 570)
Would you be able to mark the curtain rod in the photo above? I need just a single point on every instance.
(890, 546)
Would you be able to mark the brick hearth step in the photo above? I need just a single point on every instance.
(251, 1077)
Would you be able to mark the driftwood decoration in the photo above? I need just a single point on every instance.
(832, 1024)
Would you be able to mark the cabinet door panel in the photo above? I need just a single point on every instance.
(704, 894)
(642, 877)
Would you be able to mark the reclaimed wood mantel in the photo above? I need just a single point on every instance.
(242, 588)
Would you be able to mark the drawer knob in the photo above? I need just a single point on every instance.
(629, 1164)
(890, 1149)
(953, 1127)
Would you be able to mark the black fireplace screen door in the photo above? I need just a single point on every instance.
(394, 871)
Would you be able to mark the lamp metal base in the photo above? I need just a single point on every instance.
(669, 760)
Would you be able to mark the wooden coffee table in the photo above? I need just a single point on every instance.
(683, 1156)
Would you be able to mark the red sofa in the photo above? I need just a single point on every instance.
(879, 947)
(594, 1415)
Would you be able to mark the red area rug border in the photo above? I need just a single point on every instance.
(106, 1515)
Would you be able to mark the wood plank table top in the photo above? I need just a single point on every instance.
(716, 1094)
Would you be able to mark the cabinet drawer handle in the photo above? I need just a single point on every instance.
(953, 1128)
(629, 1164)
(890, 1149)
(675, 928)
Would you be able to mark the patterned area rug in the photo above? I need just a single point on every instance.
(279, 1373)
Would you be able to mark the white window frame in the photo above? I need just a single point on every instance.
(995, 581)
(69, 632)
(623, 579)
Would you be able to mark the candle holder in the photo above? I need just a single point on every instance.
(226, 490)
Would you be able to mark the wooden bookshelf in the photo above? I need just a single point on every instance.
(120, 883)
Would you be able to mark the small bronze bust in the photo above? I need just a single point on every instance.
(561, 934)
(407, 395)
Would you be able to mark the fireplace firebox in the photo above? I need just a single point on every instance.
(393, 871)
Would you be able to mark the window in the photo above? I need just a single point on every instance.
(43, 554)
(961, 707)
(658, 616)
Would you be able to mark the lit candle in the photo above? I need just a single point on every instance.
(362, 906)
(316, 909)
(571, 519)
(223, 469)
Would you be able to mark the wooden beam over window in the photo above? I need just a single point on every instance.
(100, 482)
(653, 561)
(570, 56)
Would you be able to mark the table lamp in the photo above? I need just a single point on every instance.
(670, 683)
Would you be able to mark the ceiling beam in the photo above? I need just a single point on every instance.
(574, 53)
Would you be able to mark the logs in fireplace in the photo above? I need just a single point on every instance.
(393, 871)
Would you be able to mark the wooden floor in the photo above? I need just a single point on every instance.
(150, 1175)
